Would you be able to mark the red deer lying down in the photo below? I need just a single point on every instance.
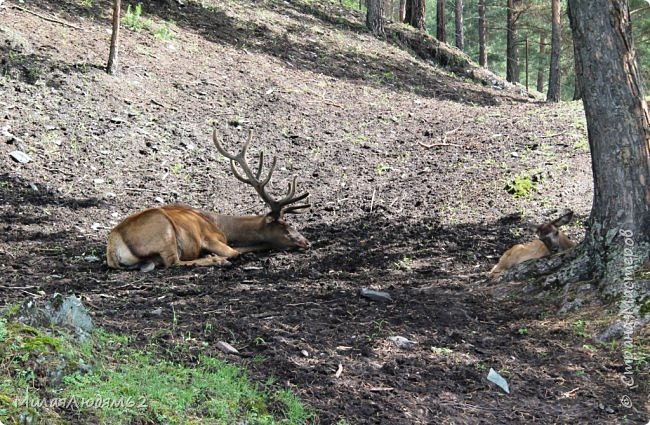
(177, 235)
(550, 240)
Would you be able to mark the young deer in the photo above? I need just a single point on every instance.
(550, 240)
(176, 235)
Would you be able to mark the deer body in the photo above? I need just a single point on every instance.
(551, 240)
(178, 235)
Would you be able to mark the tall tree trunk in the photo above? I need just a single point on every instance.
(440, 21)
(416, 13)
(111, 67)
(375, 17)
(460, 31)
(512, 50)
(577, 89)
(482, 35)
(618, 237)
(553, 94)
(541, 68)
(402, 11)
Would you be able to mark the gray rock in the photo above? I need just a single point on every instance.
(20, 156)
(64, 312)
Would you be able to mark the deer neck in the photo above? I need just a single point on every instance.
(241, 231)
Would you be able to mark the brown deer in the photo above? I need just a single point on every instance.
(176, 235)
(551, 240)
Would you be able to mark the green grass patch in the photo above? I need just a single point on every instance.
(106, 380)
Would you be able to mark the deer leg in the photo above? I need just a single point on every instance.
(212, 260)
(215, 245)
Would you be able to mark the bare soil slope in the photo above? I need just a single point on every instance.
(346, 113)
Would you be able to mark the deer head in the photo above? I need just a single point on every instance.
(549, 233)
(274, 232)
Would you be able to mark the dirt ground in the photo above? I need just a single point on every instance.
(348, 114)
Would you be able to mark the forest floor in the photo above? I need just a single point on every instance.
(348, 115)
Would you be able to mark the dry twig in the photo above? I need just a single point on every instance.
(46, 18)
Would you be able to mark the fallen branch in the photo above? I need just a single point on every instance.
(46, 18)
(339, 371)
(439, 144)
(553, 135)
(443, 142)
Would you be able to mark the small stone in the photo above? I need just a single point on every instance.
(20, 156)
(375, 295)
(226, 348)
(403, 343)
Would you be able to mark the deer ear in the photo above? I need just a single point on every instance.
(565, 219)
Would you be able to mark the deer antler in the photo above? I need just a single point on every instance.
(278, 207)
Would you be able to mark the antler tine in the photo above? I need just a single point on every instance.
(251, 178)
(289, 198)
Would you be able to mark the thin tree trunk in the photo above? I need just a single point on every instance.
(553, 94)
(111, 67)
(460, 31)
(577, 89)
(402, 10)
(541, 68)
(440, 21)
(512, 50)
(618, 237)
(482, 35)
(375, 17)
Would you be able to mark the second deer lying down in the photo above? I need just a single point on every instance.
(178, 235)
(551, 240)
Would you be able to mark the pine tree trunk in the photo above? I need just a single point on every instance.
(460, 31)
(618, 239)
(512, 50)
(402, 11)
(482, 35)
(541, 68)
(553, 94)
(415, 13)
(577, 89)
(375, 17)
(111, 67)
(440, 21)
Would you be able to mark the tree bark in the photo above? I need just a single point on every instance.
(512, 50)
(375, 17)
(541, 68)
(618, 238)
(402, 11)
(111, 66)
(460, 30)
(416, 13)
(482, 35)
(441, 34)
(577, 89)
(553, 94)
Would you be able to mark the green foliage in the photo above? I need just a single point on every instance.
(3, 329)
(382, 168)
(165, 392)
(580, 328)
(127, 385)
(133, 19)
(441, 350)
(164, 33)
(521, 186)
